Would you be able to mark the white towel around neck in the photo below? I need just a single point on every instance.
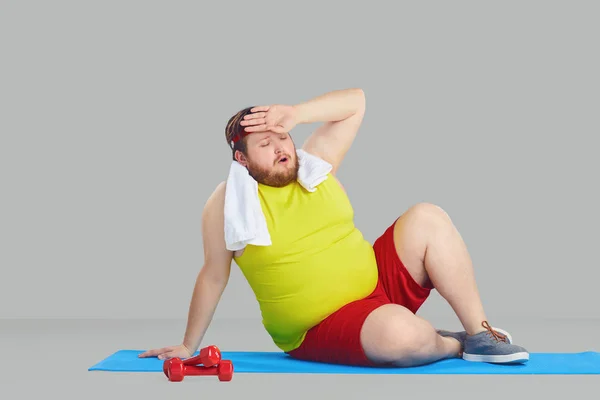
(245, 221)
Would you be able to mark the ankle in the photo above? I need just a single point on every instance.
(476, 328)
(452, 346)
(472, 331)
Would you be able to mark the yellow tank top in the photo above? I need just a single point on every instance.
(318, 261)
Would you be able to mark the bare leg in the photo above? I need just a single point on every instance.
(433, 251)
(393, 335)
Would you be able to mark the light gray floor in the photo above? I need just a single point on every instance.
(43, 357)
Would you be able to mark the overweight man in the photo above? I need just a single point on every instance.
(325, 293)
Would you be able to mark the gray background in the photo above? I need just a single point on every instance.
(112, 119)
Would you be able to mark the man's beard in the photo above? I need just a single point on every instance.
(274, 178)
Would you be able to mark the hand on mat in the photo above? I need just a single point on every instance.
(278, 118)
(166, 353)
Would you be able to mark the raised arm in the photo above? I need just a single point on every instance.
(210, 282)
(342, 113)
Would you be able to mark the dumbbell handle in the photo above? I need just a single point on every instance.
(195, 370)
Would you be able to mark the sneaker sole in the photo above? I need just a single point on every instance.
(515, 358)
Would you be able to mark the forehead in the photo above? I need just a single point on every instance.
(255, 137)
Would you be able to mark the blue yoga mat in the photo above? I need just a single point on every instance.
(276, 362)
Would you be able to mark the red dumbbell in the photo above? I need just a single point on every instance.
(208, 356)
(177, 370)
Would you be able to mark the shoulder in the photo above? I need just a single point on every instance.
(337, 180)
(332, 179)
(219, 191)
(332, 174)
(216, 201)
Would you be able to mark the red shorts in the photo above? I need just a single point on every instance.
(337, 338)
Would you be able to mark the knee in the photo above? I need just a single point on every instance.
(428, 212)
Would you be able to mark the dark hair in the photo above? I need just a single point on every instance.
(233, 129)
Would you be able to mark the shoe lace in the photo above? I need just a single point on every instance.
(496, 335)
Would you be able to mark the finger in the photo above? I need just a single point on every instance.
(153, 352)
(256, 128)
(260, 108)
(167, 355)
(255, 115)
(257, 121)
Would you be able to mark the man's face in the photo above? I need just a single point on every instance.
(271, 158)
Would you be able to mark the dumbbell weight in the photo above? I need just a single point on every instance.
(176, 370)
(208, 356)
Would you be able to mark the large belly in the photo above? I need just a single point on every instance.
(298, 292)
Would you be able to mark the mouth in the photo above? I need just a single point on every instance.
(282, 160)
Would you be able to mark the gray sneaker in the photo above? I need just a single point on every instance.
(493, 346)
(462, 335)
